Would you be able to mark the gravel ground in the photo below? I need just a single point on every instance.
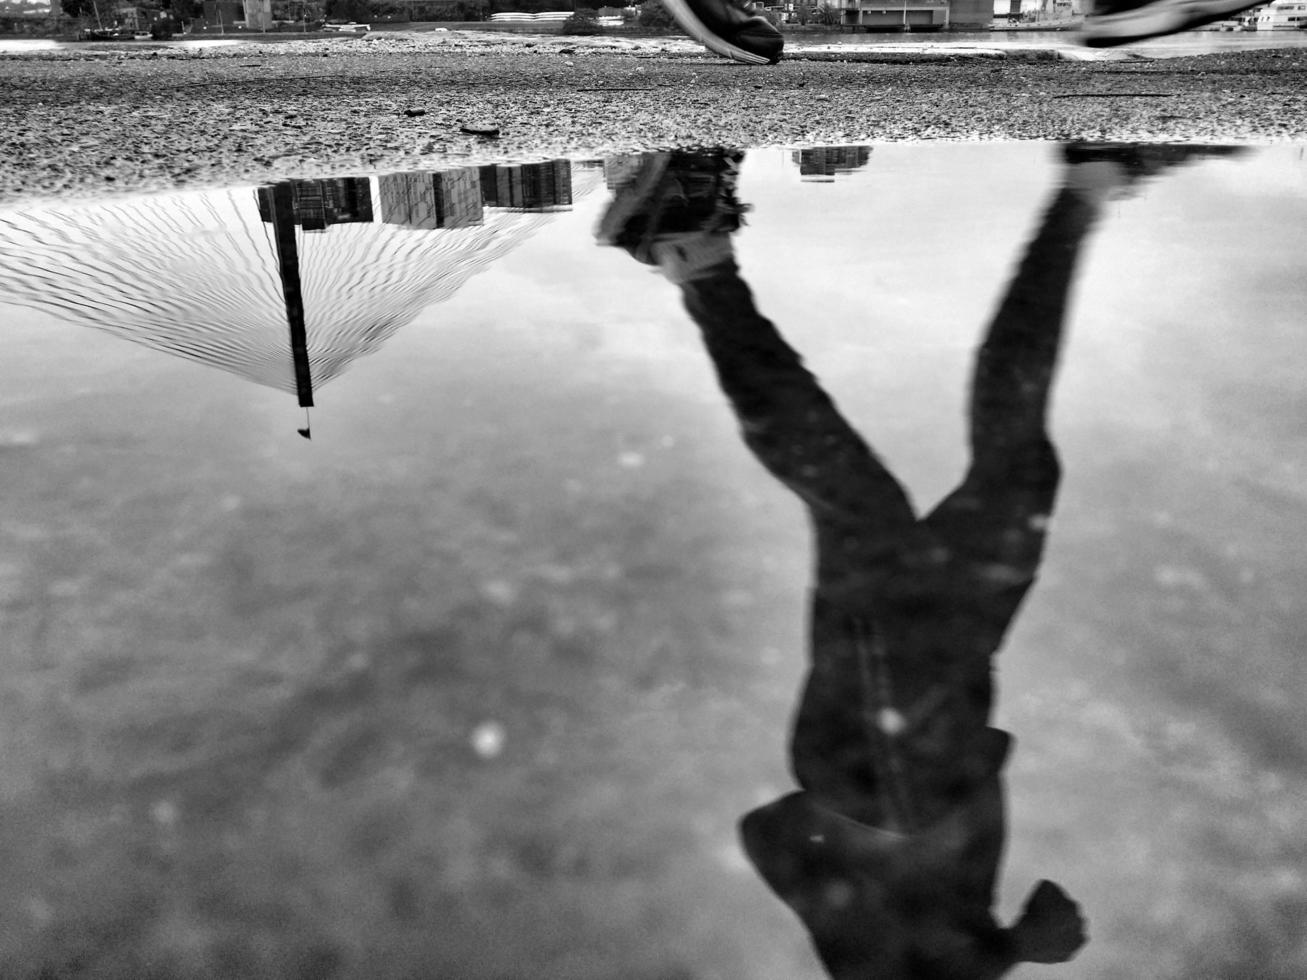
(92, 120)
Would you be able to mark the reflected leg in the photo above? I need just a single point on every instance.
(994, 522)
(860, 512)
(864, 527)
(677, 211)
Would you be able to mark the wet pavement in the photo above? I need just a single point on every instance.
(396, 581)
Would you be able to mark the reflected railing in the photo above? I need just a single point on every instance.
(287, 285)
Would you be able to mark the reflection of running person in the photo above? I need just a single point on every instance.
(889, 853)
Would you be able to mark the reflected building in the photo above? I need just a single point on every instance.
(825, 163)
(620, 169)
(316, 204)
(458, 198)
(449, 199)
(528, 186)
(285, 285)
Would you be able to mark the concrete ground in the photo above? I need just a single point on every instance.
(88, 120)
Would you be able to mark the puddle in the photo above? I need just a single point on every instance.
(484, 677)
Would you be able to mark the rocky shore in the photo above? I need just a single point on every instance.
(91, 120)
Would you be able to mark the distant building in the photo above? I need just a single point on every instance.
(28, 8)
(258, 15)
(131, 17)
(1038, 10)
(899, 15)
(296, 11)
(970, 15)
(919, 15)
(224, 14)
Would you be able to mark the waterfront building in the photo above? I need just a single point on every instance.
(900, 15)
(1034, 11)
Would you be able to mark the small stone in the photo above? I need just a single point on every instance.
(488, 130)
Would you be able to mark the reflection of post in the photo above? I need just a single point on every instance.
(279, 196)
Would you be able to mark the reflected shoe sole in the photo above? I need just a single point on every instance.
(1144, 159)
(1156, 20)
(696, 28)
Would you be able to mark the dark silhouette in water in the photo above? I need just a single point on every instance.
(889, 852)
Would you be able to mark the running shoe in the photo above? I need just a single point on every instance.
(1113, 22)
(729, 28)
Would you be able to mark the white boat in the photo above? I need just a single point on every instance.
(1280, 15)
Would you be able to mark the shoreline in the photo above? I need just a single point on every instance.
(90, 126)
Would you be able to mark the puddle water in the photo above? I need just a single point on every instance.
(505, 671)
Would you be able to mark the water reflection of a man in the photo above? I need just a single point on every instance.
(889, 852)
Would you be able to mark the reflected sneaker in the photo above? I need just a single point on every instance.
(1114, 167)
(677, 211)
(1113, 22)
(729, 28)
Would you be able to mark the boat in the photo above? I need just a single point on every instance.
(110, 34)
(1280, 15)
